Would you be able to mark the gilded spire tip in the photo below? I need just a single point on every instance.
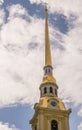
(46, 6)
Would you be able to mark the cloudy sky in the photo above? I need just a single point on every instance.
(22, 58)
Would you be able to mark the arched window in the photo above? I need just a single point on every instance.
(51, 90)
(54, 125)
(45, 90)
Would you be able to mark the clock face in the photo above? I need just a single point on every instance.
(53, 103)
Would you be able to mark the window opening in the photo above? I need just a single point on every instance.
(35, 127)
(51, 90)
(45, 90)
(54, 125)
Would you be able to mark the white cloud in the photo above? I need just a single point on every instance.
(80, 112)
(2, 16)
(80, 126)
(20, 31)
(1, 1)
(5, 126)
(16, 10)
(18, 38)
(65, 6)
(69, 70)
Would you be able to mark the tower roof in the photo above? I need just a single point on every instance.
(48, 61)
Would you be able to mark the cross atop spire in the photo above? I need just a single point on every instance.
(48, 61)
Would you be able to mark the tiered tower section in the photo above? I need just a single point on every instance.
(48, 86)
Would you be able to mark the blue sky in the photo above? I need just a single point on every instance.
(22, 58)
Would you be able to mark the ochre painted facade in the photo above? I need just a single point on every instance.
(50, 112)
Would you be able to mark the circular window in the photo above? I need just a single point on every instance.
(53, 103)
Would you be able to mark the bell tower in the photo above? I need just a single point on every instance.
(50, 112)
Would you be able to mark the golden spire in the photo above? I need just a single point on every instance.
(48, 61)
(48, 69)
